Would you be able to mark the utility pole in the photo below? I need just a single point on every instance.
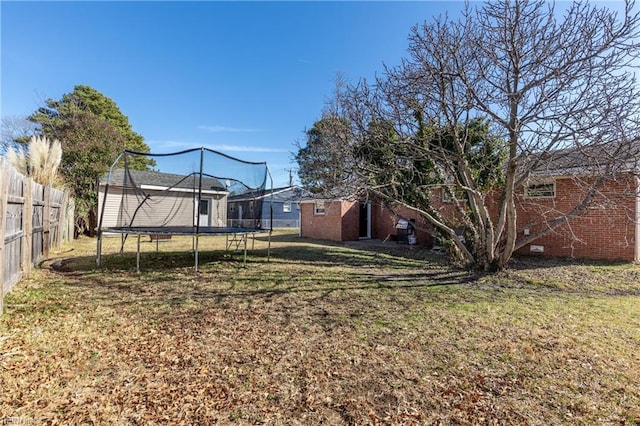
(290, 176)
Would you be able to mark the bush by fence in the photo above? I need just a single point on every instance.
(33, 218)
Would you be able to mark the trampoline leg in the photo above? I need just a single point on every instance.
(196, 247)
(269, 248)
(138, 256)
(245, 250)
(99, 250)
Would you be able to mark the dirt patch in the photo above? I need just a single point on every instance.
(59, 265)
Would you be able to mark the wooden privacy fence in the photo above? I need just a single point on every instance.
(33, 218)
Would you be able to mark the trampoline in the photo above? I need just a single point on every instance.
(189, 193)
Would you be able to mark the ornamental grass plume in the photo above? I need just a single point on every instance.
(18, 160)
(44, 159)
(41, 162)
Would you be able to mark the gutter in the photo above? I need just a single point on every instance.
(186, 190)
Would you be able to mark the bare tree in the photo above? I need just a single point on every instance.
(547, 86)
(15, 131)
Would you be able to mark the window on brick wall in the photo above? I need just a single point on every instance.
(445, 195)
(545, 189)
(448, 189)
(318, 208)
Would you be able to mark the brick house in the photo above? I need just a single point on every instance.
(608, 229)
(350, 220)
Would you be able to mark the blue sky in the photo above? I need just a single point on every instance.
(244, 78)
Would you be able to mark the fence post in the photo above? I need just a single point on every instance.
(62, 219)
(4, 190)
(46, 222)
(27, 227)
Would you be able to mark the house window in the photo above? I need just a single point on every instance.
(445, 195)
(318, 208)
(204, 207)
(286, 207)
(540, 190)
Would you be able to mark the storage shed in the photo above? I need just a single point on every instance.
(177, 204)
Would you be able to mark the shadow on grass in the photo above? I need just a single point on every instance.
(297, 269)
(281, 237)
(311, 271)
(310, 253)
(162, 296)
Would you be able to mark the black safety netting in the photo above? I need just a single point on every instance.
(193, 191)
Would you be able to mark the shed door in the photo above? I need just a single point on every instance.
(204, 210)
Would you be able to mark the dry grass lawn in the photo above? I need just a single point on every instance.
(320, 334)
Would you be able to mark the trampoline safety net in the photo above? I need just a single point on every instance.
(197, 191)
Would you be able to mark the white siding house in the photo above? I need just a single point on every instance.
(160, 199)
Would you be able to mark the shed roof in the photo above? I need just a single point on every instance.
(277, 195)
(164, 180)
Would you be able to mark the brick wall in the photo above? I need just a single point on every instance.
(385, 223)
(341, 222)
(327, 226)
(606, 230)
(350, 221)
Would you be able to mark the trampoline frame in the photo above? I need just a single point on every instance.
(196, 231)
